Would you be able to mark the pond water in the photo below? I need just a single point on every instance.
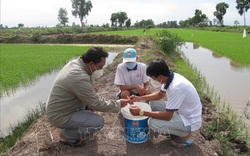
(14, 108)
(230, 81)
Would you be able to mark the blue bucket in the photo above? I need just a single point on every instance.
(136, 127)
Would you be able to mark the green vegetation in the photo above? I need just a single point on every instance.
(229, 127)
(21, 64)
(81, 9)
(167, 41)
(231, 45)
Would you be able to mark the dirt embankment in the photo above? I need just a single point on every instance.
(42, 138)
(66, 38)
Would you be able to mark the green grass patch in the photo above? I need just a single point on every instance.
(228, 44)
(21, 63)
(231, 45)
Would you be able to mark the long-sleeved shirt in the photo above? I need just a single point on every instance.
(73, 90)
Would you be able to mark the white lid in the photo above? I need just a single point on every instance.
(126, 113)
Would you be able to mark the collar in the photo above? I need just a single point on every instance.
(135, 68)
(170, 79)
(84, 66)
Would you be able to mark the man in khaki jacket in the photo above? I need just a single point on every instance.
(73, 96)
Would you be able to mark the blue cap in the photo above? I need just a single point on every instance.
(129, 55)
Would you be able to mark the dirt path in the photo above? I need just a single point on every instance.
(42, 138)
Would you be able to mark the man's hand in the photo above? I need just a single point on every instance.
(134, 98)
(134, 110)
(140, 89)
(147, 91)
(124, 102)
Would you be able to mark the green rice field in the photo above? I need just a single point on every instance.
(231, 45)
(22, 63)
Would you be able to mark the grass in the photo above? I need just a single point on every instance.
(21, 64)
(228, 44)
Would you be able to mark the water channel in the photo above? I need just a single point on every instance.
(15, 107)
(229, 80)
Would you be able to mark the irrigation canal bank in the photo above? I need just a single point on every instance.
(229, 80)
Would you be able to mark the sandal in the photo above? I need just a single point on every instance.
(77, 143)
(179, 143)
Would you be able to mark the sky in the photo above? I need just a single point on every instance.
(33, 13)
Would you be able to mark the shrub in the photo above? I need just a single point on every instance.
(167, 41)
(36, 37)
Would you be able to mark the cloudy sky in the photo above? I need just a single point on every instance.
(34, 13)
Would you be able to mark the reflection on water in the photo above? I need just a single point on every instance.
(229, 79)
(14, 108)
(217, 55)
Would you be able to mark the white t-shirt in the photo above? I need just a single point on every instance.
(183, 98)
(125, 77)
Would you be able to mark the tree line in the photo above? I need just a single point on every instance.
(82, 8)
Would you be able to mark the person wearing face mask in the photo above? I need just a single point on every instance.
(73, 96)
(181, 114)
(131, 76)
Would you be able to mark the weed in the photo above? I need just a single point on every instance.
(167, 41)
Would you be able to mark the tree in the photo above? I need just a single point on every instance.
(221, 9)
(172, 24)
(122, 17)
(128, 23)
(81, 9)
(242, 7)
(145, 23)
(199, 18)
(119, 17)
(105, 25)
(20, 25)
(236, 22)
(114, 19)
(186, 23)
(62, 16)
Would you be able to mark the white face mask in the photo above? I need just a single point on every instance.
(155, 83)
(97, 73)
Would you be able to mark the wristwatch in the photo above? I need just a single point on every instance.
(141, 112)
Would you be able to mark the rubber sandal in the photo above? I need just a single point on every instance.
(77, 143)
(179, 143)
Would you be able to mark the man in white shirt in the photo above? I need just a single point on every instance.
(181, 114)
(131, 76)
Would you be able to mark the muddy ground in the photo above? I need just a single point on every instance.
(42, 138)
